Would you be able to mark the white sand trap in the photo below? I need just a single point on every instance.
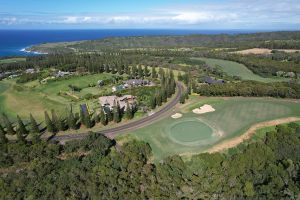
(176, 116)
(204, 109)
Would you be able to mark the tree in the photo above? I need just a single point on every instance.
(55, 119)
(140, 72)
(146, 71)
(128, 112)
(34, 130)
(21, 130)
(8, 125)
(109, 115)
(61, 125)
(182, 98)
(103, 118)
(49, 124)
(34, 127)
(86, 118)
(116, 112)
(3, 139)
(153, 73)
(158, 99)
(71, 120)
(153, 102)
(96, 117)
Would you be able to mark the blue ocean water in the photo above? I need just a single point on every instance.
(13, 41)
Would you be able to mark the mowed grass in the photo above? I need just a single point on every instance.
(36, 98)
(231, 118)
(237, 69)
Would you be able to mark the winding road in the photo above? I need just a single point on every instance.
(131, 126)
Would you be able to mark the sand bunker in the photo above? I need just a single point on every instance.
(176, 116)
(204, 109)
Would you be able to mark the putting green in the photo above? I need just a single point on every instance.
(190, 131)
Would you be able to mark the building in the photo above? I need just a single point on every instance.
(211, 81)
(62, 74)
(136, 82)
(109, 101)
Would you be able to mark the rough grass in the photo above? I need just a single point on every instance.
(237, 69)
(232, 118)
(11, 60)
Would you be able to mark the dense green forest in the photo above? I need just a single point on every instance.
(278, 40)
(94, 168)
(251, 88)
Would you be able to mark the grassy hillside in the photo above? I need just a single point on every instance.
(221, 40)
(237, 69)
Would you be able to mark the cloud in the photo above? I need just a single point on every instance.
(226, 14)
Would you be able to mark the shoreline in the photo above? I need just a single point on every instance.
(25, 50)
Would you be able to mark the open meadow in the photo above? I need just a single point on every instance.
(194, 133)
(236, 69)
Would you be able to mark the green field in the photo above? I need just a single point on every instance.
(35, 98)
(11, 60)
(231, 118)
(237, 69)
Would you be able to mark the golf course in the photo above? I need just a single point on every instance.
(193, 133)
(236, 69)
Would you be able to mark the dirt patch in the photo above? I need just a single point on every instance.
(264, 51)
(204, 109)
(176, 116)
(249, 133)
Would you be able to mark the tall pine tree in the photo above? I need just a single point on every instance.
(116, 112)
(103, 118)
(8, 125)
(49, 124)
(71, 120)
(21, 130)
(3, 139)
(128, 112)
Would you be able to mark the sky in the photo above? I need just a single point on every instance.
(153, 14)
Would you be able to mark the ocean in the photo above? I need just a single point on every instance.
(14, 42)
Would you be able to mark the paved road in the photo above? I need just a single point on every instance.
(131, 126)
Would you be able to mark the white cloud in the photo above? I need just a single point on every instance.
(229, 14)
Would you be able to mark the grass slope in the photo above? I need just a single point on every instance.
(231, 118)
(237, 69)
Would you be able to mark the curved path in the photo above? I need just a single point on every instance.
(131, 126)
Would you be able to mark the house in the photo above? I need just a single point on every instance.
(211, 81)
(62, 74)
(136, 82)
(30, 71)
(109, 101)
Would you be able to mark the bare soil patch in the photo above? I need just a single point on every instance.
(264, 51)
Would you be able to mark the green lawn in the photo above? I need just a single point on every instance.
(231, 118)
(35, 98)
(11, 60)
(237, 69)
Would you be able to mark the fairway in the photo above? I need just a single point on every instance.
(35, 98)
(193, 133)
(237, 69)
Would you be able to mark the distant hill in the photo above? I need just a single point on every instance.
(278, 40)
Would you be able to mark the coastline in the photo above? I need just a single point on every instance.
(26, 50)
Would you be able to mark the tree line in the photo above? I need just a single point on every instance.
(91, 168)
